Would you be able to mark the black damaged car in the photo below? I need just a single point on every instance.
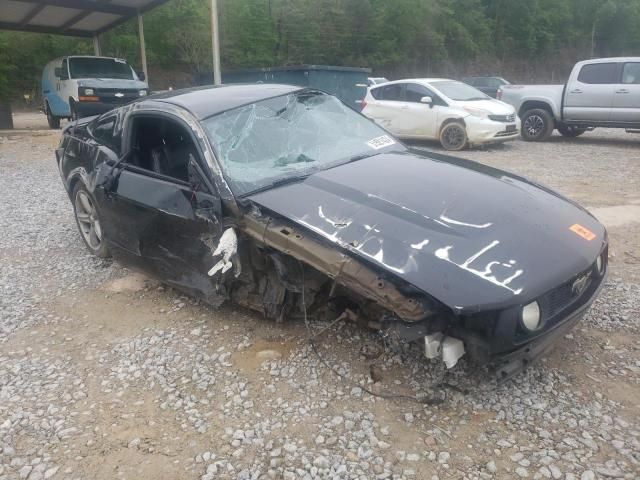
(284, 200)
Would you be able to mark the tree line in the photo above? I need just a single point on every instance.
(524, 40)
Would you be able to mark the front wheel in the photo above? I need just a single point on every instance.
(537, 125)
(570, 131)
(88, 221)
(52, 120)
(453, 136)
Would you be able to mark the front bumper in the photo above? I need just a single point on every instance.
(507, 365)
(481, 130)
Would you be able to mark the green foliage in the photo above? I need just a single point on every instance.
(405, 37)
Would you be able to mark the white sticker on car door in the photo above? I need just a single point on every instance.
(381, 142)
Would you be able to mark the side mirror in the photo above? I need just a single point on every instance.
(142, 76)
(427, 100)
(207, 206)
(58, 72)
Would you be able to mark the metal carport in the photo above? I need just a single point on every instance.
(89, 18)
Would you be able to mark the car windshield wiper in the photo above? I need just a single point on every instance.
(354, 158)
(280, 182)
(302, 158)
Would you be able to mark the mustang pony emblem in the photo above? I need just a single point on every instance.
(580, 285)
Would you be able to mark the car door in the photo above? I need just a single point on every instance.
(161, 223)
(626, 95)
(589, 94)
(418, 120)
(386, 106)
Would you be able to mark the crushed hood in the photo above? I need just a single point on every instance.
(473, 237)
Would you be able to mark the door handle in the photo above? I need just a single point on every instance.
(576, 90)
(622, 90)
(404, 107)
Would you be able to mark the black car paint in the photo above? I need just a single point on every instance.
(426, 228)
(453, 229)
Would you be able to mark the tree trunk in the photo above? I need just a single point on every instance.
(6, 119)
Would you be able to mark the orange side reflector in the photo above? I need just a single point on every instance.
(582, 231)
(88, 98)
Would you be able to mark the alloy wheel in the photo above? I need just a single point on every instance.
(453, 137)
(88, 220)
(534, 125)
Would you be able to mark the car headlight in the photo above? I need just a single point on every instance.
(531, 316)
(88, 91)
(142, 93)
(477, 112)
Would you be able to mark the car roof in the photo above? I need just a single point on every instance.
(210, 100)
(418, 80)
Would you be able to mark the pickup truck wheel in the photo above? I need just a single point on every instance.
(570, 131)
(453, 136)
(52, 120)
(537, 125)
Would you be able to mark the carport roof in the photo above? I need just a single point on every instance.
(82, 18)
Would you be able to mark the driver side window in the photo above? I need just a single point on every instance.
(161, 146)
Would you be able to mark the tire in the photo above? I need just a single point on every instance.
(453, 136)
(52, 120)
(570, 131)
(88, 221)
(537, 125)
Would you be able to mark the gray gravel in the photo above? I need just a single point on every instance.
(166, 388)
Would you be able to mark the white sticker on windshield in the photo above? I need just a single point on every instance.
(119, 60)
(381, 142)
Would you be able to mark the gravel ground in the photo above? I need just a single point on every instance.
(106, 374)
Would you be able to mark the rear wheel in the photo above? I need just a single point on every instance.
(453, 136)
(571, 131)
(52, 120)
(88, 221)
(537, 125)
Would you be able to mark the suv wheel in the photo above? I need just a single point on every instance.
(537, 125)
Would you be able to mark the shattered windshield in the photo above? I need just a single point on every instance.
(290, 137)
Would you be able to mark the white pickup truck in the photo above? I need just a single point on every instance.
(599, 93)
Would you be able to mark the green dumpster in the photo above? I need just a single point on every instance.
(347, 83)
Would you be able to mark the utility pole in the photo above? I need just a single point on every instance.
(215, 43)
(143, 49)
(96, 46)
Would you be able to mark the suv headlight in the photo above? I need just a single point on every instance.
(531, 316)
(477, 112)
(142, 93)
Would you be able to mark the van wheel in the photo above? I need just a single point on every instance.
(52, 120)
(537, 125)
(453, 136)
(570, 131)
